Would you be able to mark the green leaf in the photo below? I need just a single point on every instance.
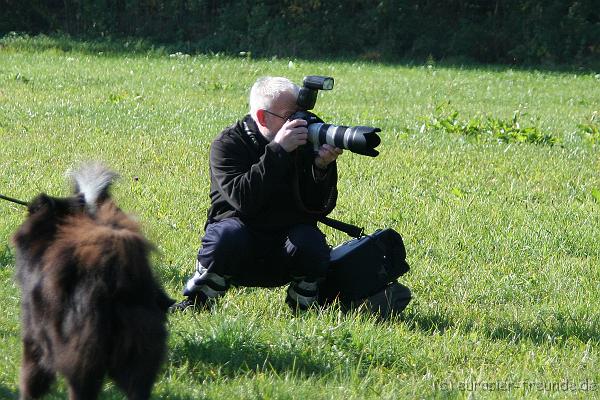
(596, 195)
(457, 192)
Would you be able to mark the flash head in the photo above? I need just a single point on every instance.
(318, 82)
(358, 139)
(307, 97)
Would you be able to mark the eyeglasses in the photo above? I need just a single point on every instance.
(278, 116)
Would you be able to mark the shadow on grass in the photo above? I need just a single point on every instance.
(240, 356)
(147, 47)
(10, 332)
(7, 257)
(558, 330)
(541, 333)
(8, 394)
(59, 392)
(430, 323)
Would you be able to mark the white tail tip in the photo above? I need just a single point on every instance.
(92, 179)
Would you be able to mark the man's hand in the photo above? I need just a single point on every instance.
(292, 135)
(327, 154)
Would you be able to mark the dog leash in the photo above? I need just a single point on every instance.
(13, 200)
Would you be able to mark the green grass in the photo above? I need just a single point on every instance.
(503, 238)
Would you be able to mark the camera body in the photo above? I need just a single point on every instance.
(357, 139)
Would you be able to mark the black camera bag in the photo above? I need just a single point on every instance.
(365, 270)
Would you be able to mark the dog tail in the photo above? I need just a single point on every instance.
(92, 180)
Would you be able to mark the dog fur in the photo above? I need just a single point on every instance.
(90, 305)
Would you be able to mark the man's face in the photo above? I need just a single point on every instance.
(281, 109)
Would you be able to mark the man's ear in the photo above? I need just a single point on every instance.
(261, 117)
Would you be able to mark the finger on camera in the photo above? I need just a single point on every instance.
(296, 122)
(301, 130)
(332, 148)
(328, 150)
(336, 150)
(323, 152)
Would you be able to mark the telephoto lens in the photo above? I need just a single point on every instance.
(358, 139)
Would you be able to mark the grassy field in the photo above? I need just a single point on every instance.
(503, 238)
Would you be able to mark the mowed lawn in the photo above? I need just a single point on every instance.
(503, 238)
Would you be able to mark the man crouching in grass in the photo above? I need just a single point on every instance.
(257, 234)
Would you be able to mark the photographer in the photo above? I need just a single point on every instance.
(267, 191)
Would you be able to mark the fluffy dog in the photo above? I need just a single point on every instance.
(90, 305)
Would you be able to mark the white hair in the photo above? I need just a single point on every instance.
(92, 179)
(267, 89)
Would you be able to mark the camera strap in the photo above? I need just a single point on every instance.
(320, 215)
(329, 203)
(251, 135)
(349, 229)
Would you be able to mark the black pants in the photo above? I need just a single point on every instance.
(251, 258)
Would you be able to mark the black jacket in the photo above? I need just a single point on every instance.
(260, 183)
